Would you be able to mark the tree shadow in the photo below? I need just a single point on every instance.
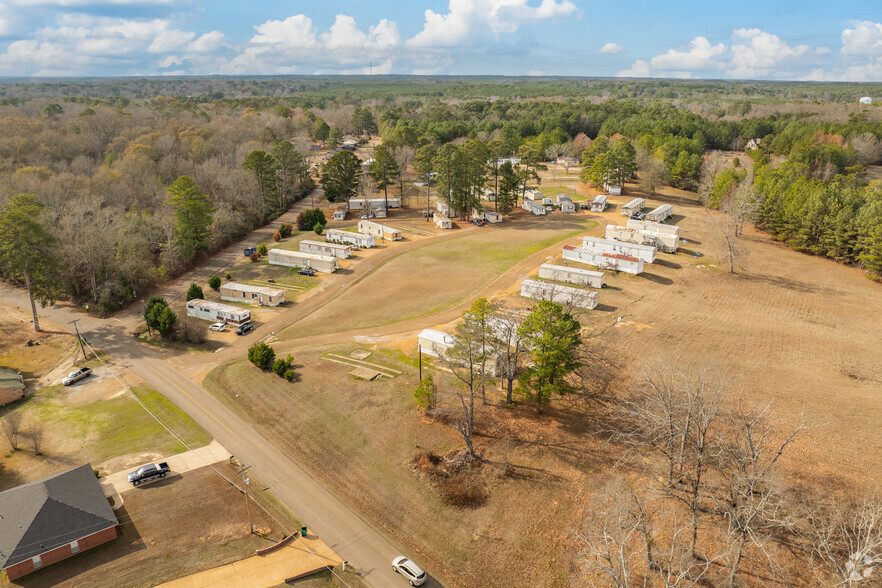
(666, 263)
(605, 308)
(657, 279)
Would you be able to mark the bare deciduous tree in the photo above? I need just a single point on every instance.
(35, 435)
(743, 205)
(725, 233)
(505, 323)
(11, 426)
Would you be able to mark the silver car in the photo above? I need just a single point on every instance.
(414, 573)
(76, 376)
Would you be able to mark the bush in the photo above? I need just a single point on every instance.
(462, 489)
(280, 367)
(262, 250)
(318, 228)
(192, 330)
(425, 392)
(286, 229)
(254, 256)
(277, 236)
(228, 276)
(307, 219)
(261, 355)
(194, 292)
(214, 282)
(149, 308)
(289, 375)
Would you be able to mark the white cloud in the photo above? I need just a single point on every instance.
(294, 31)
(640, 69)
(345, 34)
(611, 48)
(207, 43)
(468, 21)
(864, 40)
(701, 55)
(172, 40)
(757, 53)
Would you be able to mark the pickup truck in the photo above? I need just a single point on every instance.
(148, 472)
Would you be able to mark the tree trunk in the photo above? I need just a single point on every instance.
(427, 198)
(33, 303)
(508, 399)
(736, 562)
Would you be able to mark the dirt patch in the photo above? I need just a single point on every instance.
(31, 353)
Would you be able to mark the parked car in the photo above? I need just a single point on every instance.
(146, 473)
(218, 327)
(246, 328)
(407, 568)
(638, 216)
(307, 271)
(76, 376)
(477, 222)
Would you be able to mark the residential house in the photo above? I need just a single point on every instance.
(217, 312)
(11, 386)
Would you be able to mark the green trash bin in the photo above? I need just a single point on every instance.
(303, 531)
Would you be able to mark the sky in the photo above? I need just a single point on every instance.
(747, 39)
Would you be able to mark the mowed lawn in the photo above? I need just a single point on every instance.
(437, 276)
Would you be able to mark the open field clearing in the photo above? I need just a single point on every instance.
(429, 279)
(34, 361)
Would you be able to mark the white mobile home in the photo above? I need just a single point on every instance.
(534, 207)
(492, 217)
(604, 259)
(320, 263)
(645, 252)
(660, 214)
(441, 221)
(249, 294)
(340, 212)
(435, 343)
(566, 204)
(324, 248)
(535, 195)
(666, 242)
(375, 203)
(350, 238)
(379, 231)
(218, 313)
(635, 205)
(571, 275)
(654, 227)
(442, 207)
(565, 295)
(599, 203)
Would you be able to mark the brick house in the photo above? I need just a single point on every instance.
(49, 520)
(11, 386)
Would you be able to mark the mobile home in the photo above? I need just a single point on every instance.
(442, 207)
(441, 221)
(665, 242)
(571, 275)
(534, 207)
(604, 259)
(435, 343)
(635, 205)
(645, 252)
(340, 212)
(218, 313)
(535, 195)
(565, 295)
(654, 227)
(320, 263)
(492, 217)
(566, 204)
(613, 189)
(323, 248)
(249, 294)
(377, 230)
(599, 203)
(660, 214)
(368, 203)
(350, 238)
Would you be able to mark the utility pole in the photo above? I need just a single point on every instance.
(420, 350)
(245, 482)
(79, 338)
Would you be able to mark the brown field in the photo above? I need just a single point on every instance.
(800, 331)
(16, 329)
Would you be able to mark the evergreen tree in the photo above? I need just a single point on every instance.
(193, 216)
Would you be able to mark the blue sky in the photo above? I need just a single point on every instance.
(749, 39)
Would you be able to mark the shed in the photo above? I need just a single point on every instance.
(613, 189)
(599, 203)
(11, 386)
(534, 207)
(340, 251)
(492, 217)
(320, 263)
(252, 294)
(535, 195)
(659, 214)
(49, 520)
(217, 312)
(340, 212)
(565, 295)
(566, 204)
(350, 238)
(435, 343)
(603, 259)
(378, 230)
(442, 221)
(571, 275)
(635, 205)
(645, 252)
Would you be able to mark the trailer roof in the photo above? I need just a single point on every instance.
(255, 289)
(199, 303)
(575, 270)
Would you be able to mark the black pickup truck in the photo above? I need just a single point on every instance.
(148, 472)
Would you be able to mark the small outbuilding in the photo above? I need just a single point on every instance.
(442, 221)
(435, 343)
(492, 217)
(603, 259)
(565, 295)
(321, 263)
(378, 230)
(645, 252)
(52, 519)
(350, 238)
(217, 312)
(660, 214)
(340, 212)
(599, 203)
(571, 275)
(249, 294)
(613, 189)
(340, 251)
(11, 386)
(566, 204)
(633, 206)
